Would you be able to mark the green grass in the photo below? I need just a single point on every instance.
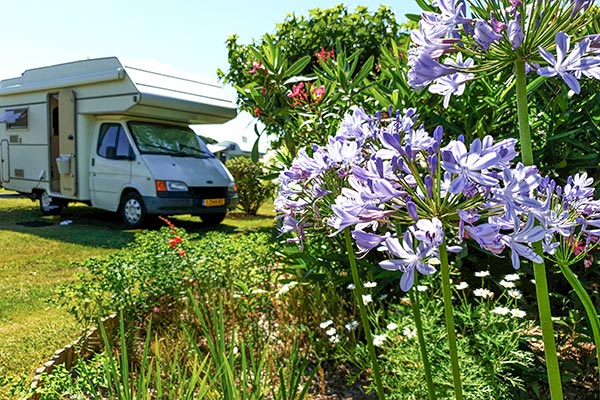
(34, 261)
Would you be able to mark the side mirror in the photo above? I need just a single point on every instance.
(111, 152)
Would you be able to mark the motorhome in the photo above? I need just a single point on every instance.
(116, 136)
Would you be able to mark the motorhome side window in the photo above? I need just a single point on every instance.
(113, 143)
(15, 118)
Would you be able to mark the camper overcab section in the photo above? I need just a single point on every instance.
(115, 136)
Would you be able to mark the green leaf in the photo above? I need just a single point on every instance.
(298, 66)
(424, 5)
(365, 69)
(413, 17)
(536, 83)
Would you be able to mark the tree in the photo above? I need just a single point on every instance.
(303, 78)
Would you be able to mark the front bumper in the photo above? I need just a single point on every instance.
(185, 205)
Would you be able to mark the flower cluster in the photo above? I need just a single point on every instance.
(494, 36)
(305, 93)
(405, 194)
(175, 242)
(257, 67)
(324, 56)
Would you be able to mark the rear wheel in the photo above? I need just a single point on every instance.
(213, 218)
(49, 205)
(133, 211)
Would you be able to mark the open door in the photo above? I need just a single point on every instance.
(66, 163)
(4, 177)
(53, 140)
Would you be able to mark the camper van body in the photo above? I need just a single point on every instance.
(114, 136)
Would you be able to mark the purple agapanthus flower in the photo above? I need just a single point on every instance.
(568, 66)
(429, 231)
(520, 242)
(366, 241)
(453, 84)
(425, 69)
(355, 125)
(409, 257)
(468, 166)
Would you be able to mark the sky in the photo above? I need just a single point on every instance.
(187, 35)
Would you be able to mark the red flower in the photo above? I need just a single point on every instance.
(256, 66)
(324, 56)
(257, 112)
(297, 91)
(318, 93)
(181, 253)
(175, 241)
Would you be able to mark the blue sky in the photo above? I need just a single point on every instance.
(187, 35)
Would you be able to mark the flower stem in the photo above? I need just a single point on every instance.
(450, 321)
(523, 113)
(590, 310)
(539, 270)
(414, 301)
(363, 313)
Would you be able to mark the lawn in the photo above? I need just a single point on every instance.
(37, 256)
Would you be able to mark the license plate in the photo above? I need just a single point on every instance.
(213, 202)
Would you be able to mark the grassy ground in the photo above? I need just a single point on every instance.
(34, 260)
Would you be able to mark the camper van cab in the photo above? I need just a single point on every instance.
(116, 137)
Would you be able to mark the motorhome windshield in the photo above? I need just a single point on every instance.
(156, 138)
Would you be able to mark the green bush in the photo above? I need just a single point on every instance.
(150, 277)
(252, 191)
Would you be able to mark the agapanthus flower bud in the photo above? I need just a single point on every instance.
(485, 35)
(515, 32)
(411, 208)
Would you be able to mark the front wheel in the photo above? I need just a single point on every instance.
(213, 218)
(133, 210)
(50, 206)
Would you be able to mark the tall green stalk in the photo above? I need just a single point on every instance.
(448, 311)
(539, 269)
(358, 292)
(588, 305)
(414, 301)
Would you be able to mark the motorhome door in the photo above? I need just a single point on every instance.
(4, 161)
(65, 159)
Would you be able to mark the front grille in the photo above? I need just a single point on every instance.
(209, 192)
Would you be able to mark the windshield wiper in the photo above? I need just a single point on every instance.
(196, 149)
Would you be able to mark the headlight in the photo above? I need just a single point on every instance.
(232, 190)
(171, 186)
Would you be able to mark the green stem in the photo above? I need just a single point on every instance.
(523, 113)
(590, 310)
(539, 270)
(363, 313)
(447, 293)
(414, 301)
(543, 300)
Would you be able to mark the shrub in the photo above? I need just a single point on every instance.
(150, 277)
(253, 191)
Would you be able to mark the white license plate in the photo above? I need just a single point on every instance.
(213, 202)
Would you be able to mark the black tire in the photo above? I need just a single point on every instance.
(132, 210)
(50, 206)
(213, 219)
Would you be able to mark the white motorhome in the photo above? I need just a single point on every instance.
(114, 136)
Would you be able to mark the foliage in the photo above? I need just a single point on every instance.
(149, 277)
(322, 30)
(298, 81)
(252, 190)
(233, 367)
(492, 351)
